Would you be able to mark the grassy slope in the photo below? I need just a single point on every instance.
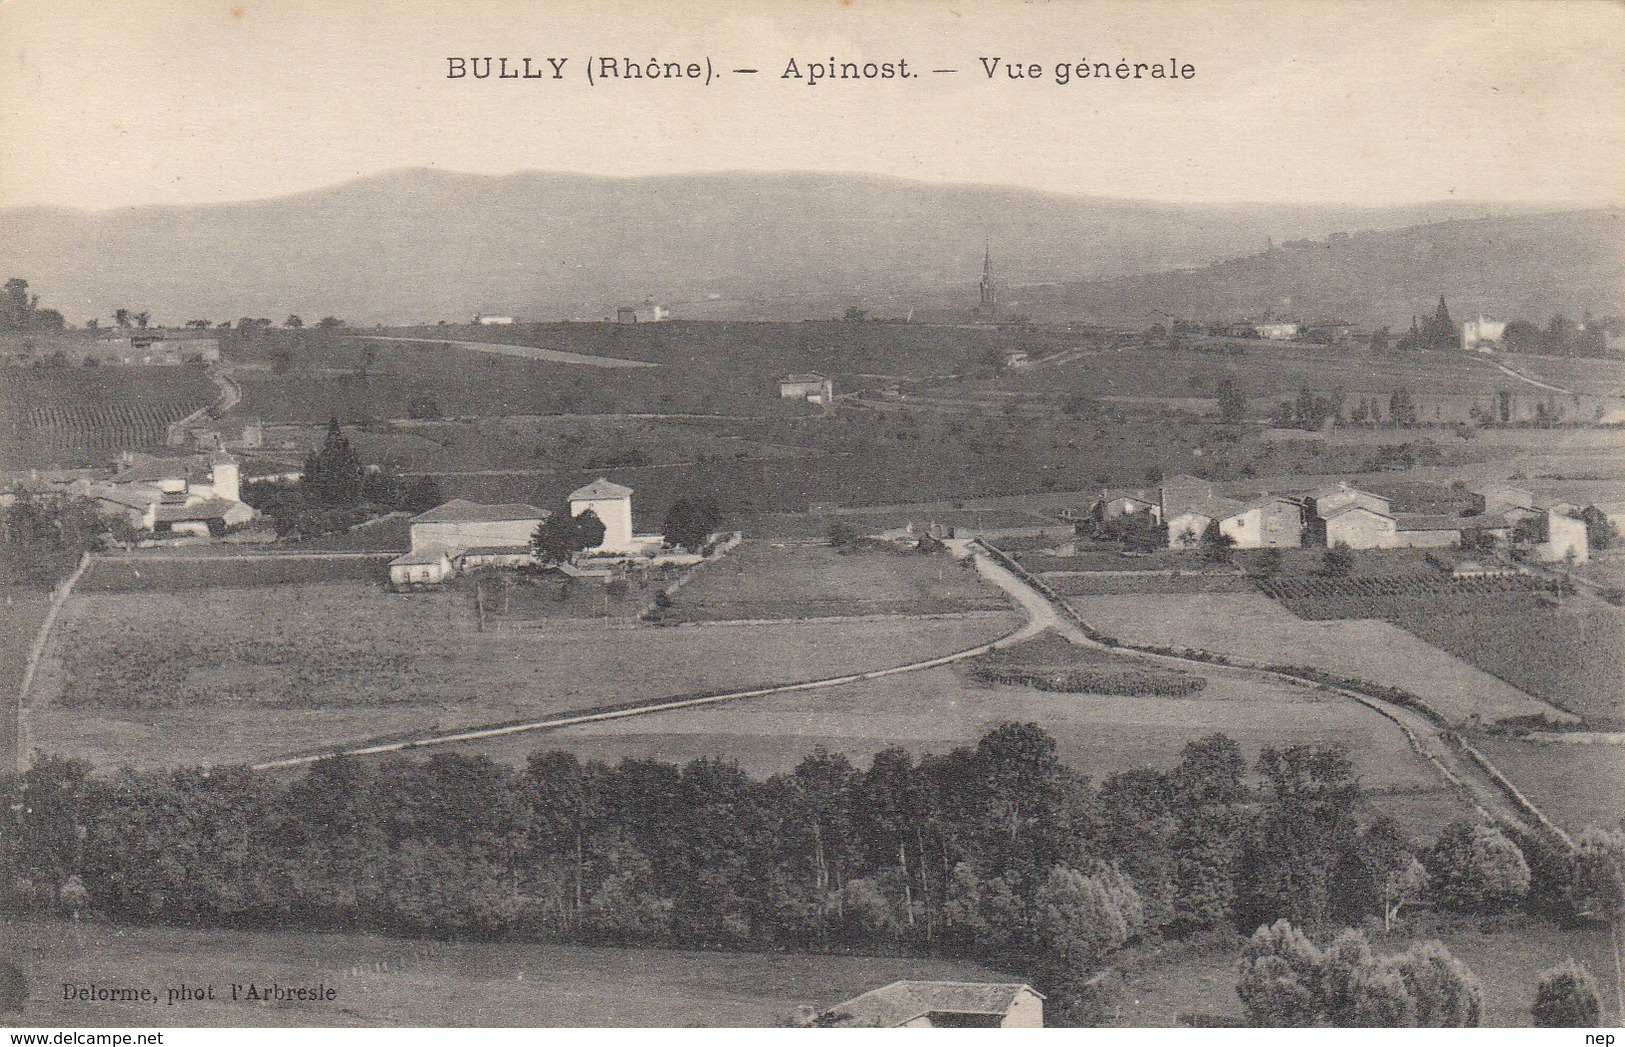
(354, 662)
(761, 580)
(1254, 627)
(387, 982)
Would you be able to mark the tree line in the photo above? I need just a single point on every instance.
(337, 490)
(997, 851)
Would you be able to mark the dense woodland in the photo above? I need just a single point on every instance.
(997, 851)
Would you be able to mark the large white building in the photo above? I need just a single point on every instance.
(612, 504)
(467, 534)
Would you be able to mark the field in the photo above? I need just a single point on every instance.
(1051, 663)
(216, 567)
(775, 580)
(1255, 628)
(938, 709)
(72, 416)
(218, 675)
(1572, 656)
(391, 982)
(1577, 785)
(1160, 984)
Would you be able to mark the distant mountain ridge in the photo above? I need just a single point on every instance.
(419, 245)
(1529, 266)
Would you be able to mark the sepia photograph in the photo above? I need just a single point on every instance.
(811, 514)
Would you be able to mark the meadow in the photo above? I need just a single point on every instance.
(763, 579)
(1254, 628)
(220, 567)
(1577, 785)
(938, 709)
(383, 981)
(221, 675)
(1571, 655)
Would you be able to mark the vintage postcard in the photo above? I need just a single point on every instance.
(811, 513)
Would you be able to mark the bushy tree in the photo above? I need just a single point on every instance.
(1279, 977)
(1599, 891)
(42, 537)
(1286, 981)
(1444, 993)
(1338, 561)
(1340, 981)
(561, 535)
(1566, 998)
(690, 520)
(841, 534)
(1082, 918)
(1475, 868)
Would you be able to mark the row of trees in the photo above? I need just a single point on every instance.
(984, 851)
(1560, 337)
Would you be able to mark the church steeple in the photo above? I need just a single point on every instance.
(990, 290)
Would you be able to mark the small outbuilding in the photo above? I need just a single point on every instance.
(940, 1005)
(430, 565)
(816, 389)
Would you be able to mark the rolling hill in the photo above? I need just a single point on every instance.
(1529, 266)
(421, 245)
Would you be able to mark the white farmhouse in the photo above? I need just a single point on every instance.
(1565, 537)
(612, 504)
(466, 534)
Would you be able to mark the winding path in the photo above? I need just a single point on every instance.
(1520, 376)
(528, 352)
(1492, 795)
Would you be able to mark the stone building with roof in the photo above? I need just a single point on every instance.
(462, 535)
(940, 1005)
(612, 504)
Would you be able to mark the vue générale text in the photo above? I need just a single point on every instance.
(812, 72)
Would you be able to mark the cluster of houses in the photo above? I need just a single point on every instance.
(1191, 513)
(188, 495)
(462, 536)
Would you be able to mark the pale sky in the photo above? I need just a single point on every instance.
(106, 104)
